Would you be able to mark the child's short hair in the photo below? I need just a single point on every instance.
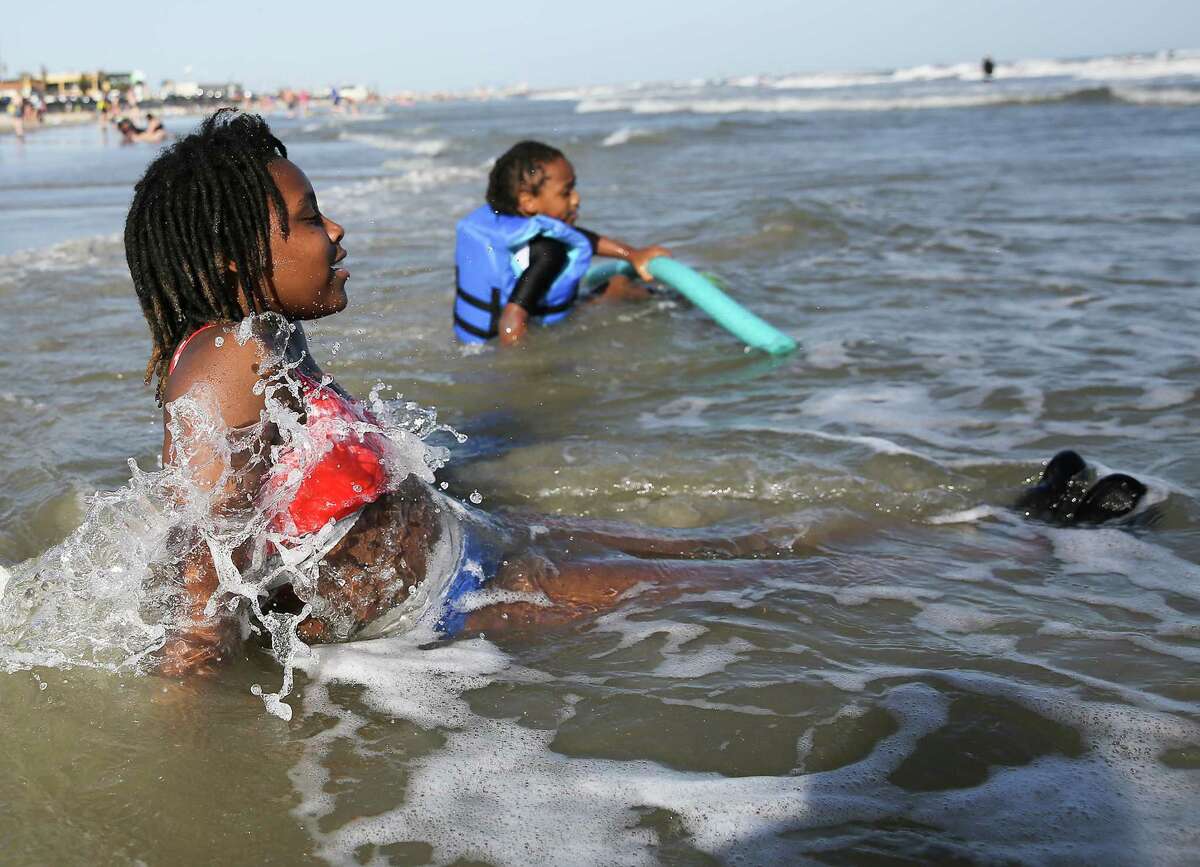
(203, 203)
(520, 168)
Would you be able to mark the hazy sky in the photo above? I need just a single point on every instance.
(429, 45)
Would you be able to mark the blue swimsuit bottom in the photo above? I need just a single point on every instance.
(483, 550)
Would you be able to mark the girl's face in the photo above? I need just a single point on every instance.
(306, 282)
(556, 197)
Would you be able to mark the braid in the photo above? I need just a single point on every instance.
(203, 203)
(518, 169)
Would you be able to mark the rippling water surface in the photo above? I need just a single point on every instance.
(978, 275)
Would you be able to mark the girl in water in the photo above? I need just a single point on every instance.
(313, 513)
(521, 256)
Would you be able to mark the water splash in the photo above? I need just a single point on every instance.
(114, 593)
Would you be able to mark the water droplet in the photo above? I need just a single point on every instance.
(476, 497)
(444, 485)
(219, 342)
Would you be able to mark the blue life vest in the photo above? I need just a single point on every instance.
(487, 268)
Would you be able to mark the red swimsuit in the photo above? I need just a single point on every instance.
(343, 465)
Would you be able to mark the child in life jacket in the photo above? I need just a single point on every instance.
(308, 516)
(520, 257)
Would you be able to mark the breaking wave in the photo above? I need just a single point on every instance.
(802, 104)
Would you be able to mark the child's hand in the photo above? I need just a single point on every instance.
(640, 259)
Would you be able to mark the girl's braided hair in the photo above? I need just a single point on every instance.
(203, 204)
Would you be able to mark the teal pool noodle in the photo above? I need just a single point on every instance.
(726, 312)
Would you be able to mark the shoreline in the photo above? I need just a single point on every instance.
(79, 118)
(73, 118)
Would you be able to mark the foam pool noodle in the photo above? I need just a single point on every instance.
(733, 317)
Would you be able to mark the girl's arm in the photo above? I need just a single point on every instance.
(218, 375)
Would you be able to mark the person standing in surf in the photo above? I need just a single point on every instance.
(520, 257)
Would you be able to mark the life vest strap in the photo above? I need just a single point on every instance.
(493, 308)
(551, 309)
(478, 332)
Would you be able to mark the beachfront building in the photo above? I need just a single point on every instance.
(198, 91)
(73, 88)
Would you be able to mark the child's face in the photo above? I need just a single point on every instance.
(556, 197)
(306, 281)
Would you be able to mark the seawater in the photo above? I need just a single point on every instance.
(978, 274)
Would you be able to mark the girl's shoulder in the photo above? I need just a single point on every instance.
(226, 361)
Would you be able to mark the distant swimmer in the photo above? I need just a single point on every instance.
(1064, 496)
(154, 129)
(988, 68)
(532, 205)
(131, 132)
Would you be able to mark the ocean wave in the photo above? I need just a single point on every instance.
(1171, 96)
(802, 105)
(423, 147)
(101, 251)
(1176, 64)
(1164, 66)
(574, 94)
(369, 195)
(626, 134)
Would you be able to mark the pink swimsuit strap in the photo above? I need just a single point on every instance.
(308, 384)
(183, 345)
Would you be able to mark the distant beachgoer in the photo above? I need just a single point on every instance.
(152, 133)
(155, 132)
(16, 109)
(128, 129)
(520, 257)
(1066, 496)
(988, 67)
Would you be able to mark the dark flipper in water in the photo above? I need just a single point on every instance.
(1114, 496)
(1062, 496)
(1053, 498)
